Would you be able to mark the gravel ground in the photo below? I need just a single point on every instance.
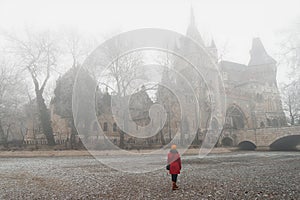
(237, 175)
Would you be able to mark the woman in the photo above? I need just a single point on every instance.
(174, 162)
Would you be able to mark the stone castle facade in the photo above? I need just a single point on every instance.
(252, 99)
(251, 92)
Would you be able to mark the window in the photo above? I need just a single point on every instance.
(105, 126)
(115, 127)
(262, 124)
(268, 122)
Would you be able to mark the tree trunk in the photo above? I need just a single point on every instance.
(197, 136)
(292, 120)
(291, 115)
(44, 116)
(162, 138)
(3, 139)
(121, 139)
(73, 134)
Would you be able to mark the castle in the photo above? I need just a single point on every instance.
(252, 99)
(252, 96)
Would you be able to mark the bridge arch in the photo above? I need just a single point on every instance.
(235, 118)
(247, 145)
(289, 142)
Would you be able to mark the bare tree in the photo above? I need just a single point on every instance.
(36, 53)
(291, 101)
(122, 75)
(290, 59)
(11, 100)
(75, 48)
(223, 50)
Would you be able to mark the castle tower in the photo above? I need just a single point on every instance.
(261, 65)
(262, 70)
(213, 50)
(258, 54)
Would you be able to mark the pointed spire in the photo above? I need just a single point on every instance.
(213, 50)
(258, 54)
(192, 30)
(192, 17)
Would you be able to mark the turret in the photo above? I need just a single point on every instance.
(261, 67)
(213, 50)
(258, 54)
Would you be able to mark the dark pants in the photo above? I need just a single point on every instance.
(174, 177)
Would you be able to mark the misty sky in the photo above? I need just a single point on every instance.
(231, 22)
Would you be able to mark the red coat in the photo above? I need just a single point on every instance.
(174, 161)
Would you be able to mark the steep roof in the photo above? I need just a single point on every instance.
(192, 30)
(258, 54)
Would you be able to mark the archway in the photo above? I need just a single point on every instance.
(247, 145)
(286, 143)
(227, 142)
(235, 118)
(214, 124)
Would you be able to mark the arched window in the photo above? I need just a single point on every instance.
(262, 124)
(214, 124)
(105, 126)
(235, 118)
(115, 127)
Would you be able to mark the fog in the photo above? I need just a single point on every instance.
(232, 24)
(131, 99)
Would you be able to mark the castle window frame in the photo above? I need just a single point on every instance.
(105, 126)
(115, 127)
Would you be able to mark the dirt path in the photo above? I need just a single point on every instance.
(236, 175)
(64, 153)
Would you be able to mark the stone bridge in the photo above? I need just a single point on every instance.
(283, 138)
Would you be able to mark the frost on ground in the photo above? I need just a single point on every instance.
(257, 175)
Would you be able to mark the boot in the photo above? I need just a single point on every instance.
(174, 187)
